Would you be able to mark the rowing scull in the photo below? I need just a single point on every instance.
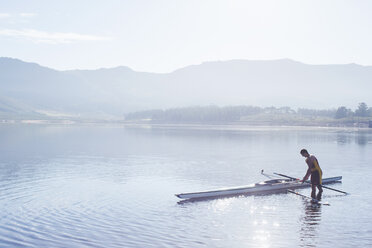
(270, 186)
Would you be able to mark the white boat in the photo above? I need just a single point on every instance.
(270, 186)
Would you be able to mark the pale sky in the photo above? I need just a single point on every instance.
(164, 35)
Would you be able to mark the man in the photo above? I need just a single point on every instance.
(315, 172)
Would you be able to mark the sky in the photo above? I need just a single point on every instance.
(165, 35)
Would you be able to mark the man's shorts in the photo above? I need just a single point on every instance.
(315, 178)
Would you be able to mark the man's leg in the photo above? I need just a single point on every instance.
(313, 190)
(319, 195)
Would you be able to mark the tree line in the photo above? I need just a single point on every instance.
(235, 113)
(361, 111)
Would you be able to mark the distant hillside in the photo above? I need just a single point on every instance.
(253, 115)
(108, 93)
(10, 109)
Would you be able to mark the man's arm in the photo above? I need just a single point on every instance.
(308, 172)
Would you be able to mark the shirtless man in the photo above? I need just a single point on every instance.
(315, 172)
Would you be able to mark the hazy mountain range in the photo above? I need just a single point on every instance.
(30, 90)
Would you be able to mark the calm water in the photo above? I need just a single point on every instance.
(111, 186)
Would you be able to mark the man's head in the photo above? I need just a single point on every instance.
(304, 153)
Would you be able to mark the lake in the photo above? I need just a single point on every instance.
(114, 186)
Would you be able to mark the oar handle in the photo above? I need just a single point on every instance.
(310, 183)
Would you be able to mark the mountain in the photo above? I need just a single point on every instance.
(28, 88)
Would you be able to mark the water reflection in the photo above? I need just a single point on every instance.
(361, 137)
(343, 138)
(310, 222)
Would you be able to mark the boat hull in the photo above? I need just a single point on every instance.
(275, 185)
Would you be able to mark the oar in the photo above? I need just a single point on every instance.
(310, 183)
(307, 197)
(266, 175)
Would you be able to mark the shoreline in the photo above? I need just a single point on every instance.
(187, 126)
(242, 127)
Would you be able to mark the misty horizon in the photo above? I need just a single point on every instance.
(186, 65)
